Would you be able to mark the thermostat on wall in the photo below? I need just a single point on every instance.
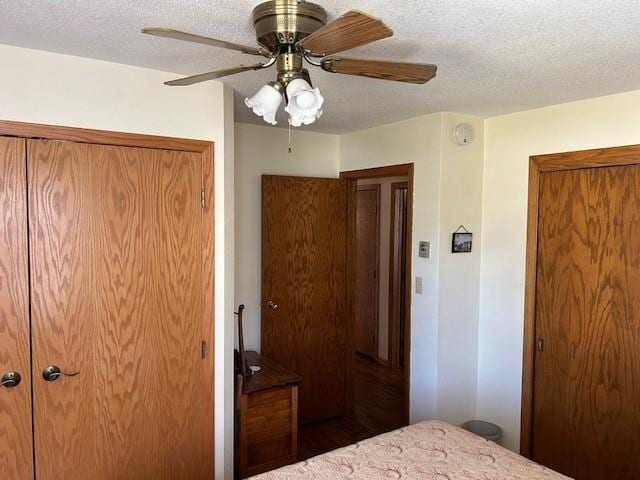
(463, 134)
(424, 250)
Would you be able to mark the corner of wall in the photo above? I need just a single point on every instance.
(224, 293)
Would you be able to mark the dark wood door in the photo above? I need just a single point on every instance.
(117, 268)
(586, 417)
(367, 266)
(16, 454)
(304, 277)
(398, 274)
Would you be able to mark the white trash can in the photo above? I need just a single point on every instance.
(487, 430)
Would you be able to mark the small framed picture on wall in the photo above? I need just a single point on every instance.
(462, 241)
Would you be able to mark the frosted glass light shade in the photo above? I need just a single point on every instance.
(265, 103)
(305, 103)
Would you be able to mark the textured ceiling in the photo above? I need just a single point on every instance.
(494, 56)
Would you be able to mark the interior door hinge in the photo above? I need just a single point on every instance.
(541, 345)
(202, 198)
(203, 349)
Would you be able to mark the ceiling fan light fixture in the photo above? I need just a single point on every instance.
(291, 32)
(266, 102)
(305, 103)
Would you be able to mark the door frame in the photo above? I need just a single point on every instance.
(393, 354)
(352, 177)
(602, 157)
(375, 187)
(206, 151)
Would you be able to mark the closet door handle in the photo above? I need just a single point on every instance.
(10, 380)
(52, 373)
(271, 305)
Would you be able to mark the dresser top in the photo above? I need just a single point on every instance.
(271, 374)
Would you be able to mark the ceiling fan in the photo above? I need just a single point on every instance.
(291, 32)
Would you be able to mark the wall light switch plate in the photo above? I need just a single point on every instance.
(424, 250)
(419, 285)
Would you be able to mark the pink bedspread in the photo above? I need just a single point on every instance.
(426, 451)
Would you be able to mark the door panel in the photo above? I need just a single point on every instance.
(116, 266)
(586, 415)
(367, 265)
(398, 274)
(304, 274)
(16, 455)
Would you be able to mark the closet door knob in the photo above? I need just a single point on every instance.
(52, 373)
(271, 305)
(10, 380)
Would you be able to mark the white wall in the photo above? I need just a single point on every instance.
(439, 346)
(459, 274)
(509, 141)
(263, 150)
(47, 88)
(384, 260)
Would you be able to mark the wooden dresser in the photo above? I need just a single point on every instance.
(267, 418)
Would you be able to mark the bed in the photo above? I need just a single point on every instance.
(427, 451)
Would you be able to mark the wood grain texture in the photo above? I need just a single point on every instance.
(117, 274)
(268, 420)
(528, 350)
(367, 266)
(627, 155)
(586, 410)
(16, 454)
(352, 201)
(351, 30)
(212, 42)
(208, 310)
(271, 374)
(100, 137)
(399, 170)
(418, 73)
(397, 273)
(304, 273)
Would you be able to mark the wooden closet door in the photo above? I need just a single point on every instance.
(116, 266)
(586, 421)
(304, 276)
(16, 455)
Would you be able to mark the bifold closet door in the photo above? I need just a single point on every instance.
(16, 454)
(586, 406)
(117, 307)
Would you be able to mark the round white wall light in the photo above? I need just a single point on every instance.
(463, 134)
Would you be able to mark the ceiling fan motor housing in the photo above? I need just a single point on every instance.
(280, 24)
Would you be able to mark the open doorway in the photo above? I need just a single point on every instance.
(379, 219)
(378, 376)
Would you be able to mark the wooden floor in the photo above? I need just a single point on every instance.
(379, 408)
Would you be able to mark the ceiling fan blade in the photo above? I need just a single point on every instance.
(214, 42)
(351, 30)
(203, 77)
(384, 70)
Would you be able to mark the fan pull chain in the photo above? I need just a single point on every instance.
(290, 150)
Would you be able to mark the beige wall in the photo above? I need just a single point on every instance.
(509, 141)
(459, 274)
(263, 150)
(42, 87)
(385, 259)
